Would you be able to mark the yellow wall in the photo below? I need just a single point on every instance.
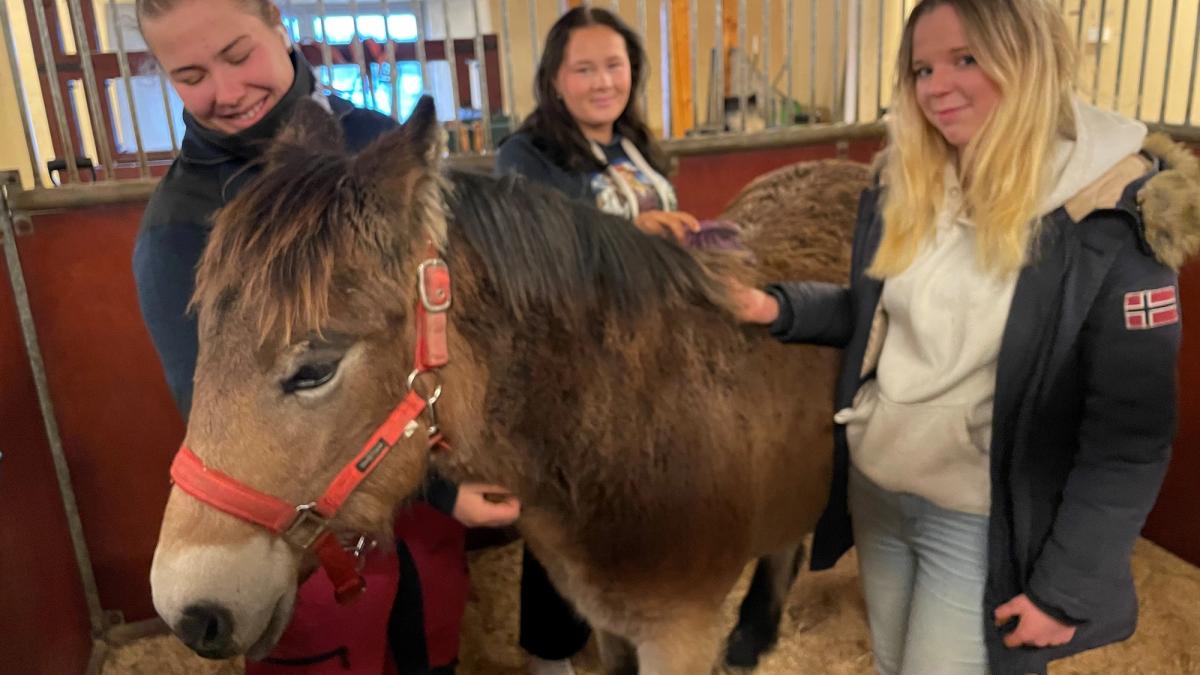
(13, 153)
(872, 93)
(522, 48)
(1126, 98)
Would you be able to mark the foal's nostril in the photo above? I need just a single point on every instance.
(208, 629)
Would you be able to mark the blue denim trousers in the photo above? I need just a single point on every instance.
(922, 570)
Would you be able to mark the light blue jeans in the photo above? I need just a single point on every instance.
(922, 570)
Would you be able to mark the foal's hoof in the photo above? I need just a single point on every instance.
(744, 648)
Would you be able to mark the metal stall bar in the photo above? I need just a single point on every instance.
(326, 53)
(693, 49)
(717, 93)
(390, 50)
(879, 64)
(1141, 91)
(1099, 51)
(452, 61)
(766, 97)
(1079, 24)
(166, 99)
(1187, 116)
(859, 66)
(1162, 107)
(1121, 53)
(741, 68)
(56, 97)
(422, 58)
(358, 52)
(83, 559)
(643, 105)
(91, 90)
(23, 103)
(812, 58)
(533, 35)
(485, 105)
(837, 60)
(507, 96)
(127, 79)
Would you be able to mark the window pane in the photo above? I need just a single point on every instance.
(152, 120)
(403, 28)
(346, 82)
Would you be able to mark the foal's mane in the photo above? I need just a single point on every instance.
(547, 253)
(316, 230)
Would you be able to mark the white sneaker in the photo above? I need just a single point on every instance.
(539, 666)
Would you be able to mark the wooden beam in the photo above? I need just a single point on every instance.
(729, 35)
(681, 58)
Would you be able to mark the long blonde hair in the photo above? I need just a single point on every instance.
(1025, 47)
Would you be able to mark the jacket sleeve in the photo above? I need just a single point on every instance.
(1128, 422)
(164, 269)
(823, 313)
(517, 156)
(813, 312)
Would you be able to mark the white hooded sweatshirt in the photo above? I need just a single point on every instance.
(923, 425)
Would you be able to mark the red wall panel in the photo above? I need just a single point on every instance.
(706, 183)
(1172, 524)
(118, 424)
(43, 614)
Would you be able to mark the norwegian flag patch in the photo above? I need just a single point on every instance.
(1151, 308)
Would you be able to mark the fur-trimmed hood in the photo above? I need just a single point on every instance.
(1170, 202)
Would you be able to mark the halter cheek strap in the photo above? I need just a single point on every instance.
(307, 526)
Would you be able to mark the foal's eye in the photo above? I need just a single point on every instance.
(310, 376)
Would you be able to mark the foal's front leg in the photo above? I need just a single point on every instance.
(757, 629)
(686, 646)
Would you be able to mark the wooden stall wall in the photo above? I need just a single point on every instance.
(119, 430)
(43, 614)
(706, 183)
(1172, 524)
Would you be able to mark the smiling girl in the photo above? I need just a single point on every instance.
(1006, 403)
(232, 64)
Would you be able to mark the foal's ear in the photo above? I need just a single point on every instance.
(310, 129)
(418, 144)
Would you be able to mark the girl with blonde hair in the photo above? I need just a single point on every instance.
(1006, 403)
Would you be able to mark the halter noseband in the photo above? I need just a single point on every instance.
(307, 526)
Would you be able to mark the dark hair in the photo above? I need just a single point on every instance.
(551, 127)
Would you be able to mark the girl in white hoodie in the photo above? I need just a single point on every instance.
(1006, 404)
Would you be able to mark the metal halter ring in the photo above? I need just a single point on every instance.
(437, 387)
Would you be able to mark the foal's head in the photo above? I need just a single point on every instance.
(305, 301)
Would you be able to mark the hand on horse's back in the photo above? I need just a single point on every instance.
(752, 305)
(674, 224)
(483, 505)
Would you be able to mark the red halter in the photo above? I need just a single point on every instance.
(306, 526)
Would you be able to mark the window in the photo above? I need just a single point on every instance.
(151, 112)
(401, 27)
(347, 82)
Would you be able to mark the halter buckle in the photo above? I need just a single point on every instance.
(306, 527)
(433, 282)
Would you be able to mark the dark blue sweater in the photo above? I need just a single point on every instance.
(210, 170)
